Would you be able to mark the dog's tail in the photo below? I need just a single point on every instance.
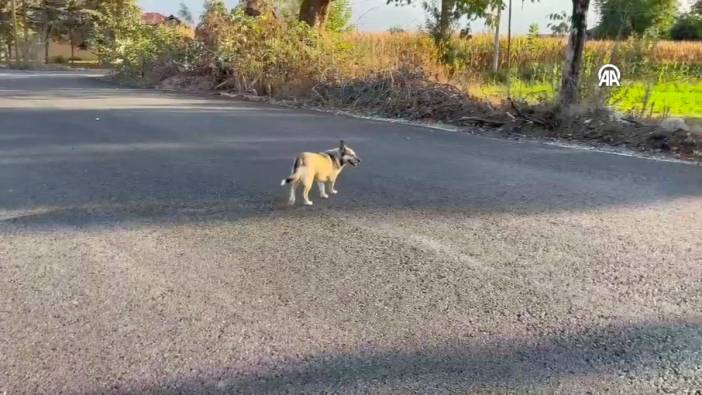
(293, 174)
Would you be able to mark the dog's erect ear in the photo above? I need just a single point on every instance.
(342, 146)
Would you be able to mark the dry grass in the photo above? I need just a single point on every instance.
(373, 52)
(473, 57)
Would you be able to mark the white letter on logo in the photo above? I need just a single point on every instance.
(609, 75)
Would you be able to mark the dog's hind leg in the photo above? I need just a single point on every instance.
(322, 193)
(307, 183)
(293, 186)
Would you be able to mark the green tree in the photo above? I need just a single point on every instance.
(116, 22)
(697, 7)
(444, 15)
(6, 29)
(440, 23)
(75, 24)
(72, 19)
(216, 7)
(18, 21)
(623, 18)
(339, 18)
(687, 27)
(213, 21)
(213, 12)
(185, 14)
(559, 23)
(46, 18)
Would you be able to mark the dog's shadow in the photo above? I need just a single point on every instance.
(281, 203)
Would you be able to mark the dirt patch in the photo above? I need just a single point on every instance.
(187, 83)
(601, 126)
(407, 95)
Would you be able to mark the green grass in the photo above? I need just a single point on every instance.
(679, 98)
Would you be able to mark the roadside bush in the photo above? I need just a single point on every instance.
(283, 58)
(269, 56)
(266, 56)
(154, 52)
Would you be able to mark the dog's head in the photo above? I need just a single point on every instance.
(348, 155)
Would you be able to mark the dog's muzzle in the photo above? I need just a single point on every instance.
(355, 162)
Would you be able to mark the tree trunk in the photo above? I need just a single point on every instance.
(574, 54)
(496, 55)
(25, 34)
(323, 12)
(445, 20)
(509, 45)
(70, 40)
(314, 12)
(15, 35)
(47, 34)
(253, 8)
(25, 44)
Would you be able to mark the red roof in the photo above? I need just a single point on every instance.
(153, 18)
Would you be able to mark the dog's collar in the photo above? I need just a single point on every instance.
(334, 159)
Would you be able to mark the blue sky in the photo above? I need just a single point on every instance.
(375, 15)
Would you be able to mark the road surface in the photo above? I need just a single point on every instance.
(145, 247)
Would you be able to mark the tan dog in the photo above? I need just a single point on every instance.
(321, 167)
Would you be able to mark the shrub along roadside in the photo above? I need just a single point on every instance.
(393, 75)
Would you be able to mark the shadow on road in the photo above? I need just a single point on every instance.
(615, 354)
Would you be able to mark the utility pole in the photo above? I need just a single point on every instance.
(14, 29)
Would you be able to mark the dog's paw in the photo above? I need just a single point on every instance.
(325, 196)
(334, 191)
(308, 203)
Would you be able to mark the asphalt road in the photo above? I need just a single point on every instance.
(145, 247)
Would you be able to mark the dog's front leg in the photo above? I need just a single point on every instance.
(331, 187)
(322, 193)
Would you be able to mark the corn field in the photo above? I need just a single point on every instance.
(532, 58)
